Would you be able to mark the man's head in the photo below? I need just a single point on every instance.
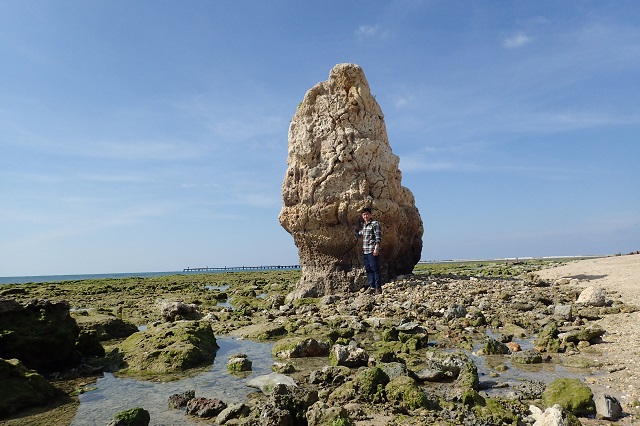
(366, 214)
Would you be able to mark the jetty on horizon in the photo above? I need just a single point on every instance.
(239, 268)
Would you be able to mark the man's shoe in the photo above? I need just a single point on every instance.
(378, 290)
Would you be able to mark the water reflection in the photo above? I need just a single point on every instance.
(114, 394)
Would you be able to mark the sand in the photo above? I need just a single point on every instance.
(620, 351)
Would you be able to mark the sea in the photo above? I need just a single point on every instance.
(80, 277)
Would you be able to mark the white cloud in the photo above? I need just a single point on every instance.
(370, 31)
(517, 40)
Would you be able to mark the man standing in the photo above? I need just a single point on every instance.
(371, 239)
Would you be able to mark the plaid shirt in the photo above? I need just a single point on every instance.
(371, 235)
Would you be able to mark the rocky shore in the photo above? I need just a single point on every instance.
(479, 343)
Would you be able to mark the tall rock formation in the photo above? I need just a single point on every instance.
(339, 162)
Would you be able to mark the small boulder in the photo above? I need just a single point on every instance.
(173, 311)
(329, 375)
(321, 414)
(493, 347)
(593, 296)
(607, 407)
(300, 347)
(21, 388)
(133, 417)
(238, 362)
(233, 411)
(405, 391)
(267, 382)
(572, 394)
(530, 356)
(180, 400)
(350, 356)
(205, 407)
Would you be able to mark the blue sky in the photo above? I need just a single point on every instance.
(152, 135)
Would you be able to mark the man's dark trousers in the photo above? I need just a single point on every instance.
(372, 267)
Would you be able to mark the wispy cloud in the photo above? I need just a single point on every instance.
(517, 40)
(370, 31)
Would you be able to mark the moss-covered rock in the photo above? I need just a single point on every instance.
(468, 377)
(371, 384)
(530, 356)
(21, 388)
(346, 392)
(169, 347)
(239, 362)
(499, 412)
(493, 347)
(571, 394)
(548, 338)
(406, 392)
(133, 417)
(41, 334)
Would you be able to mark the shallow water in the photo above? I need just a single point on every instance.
(501, 383)
(114, 394)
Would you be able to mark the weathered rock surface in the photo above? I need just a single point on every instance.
(593, 296)
(340, 161)
(205, 407)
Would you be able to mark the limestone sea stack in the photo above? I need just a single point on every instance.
(340, 161)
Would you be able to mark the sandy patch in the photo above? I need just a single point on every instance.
(620, 352)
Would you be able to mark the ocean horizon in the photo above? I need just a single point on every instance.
(78, 277)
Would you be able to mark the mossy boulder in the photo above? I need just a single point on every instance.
(571, 394)
(548, 338)
(371, 384)
(498, 411)
(367, 385)
(493, 347)
(530, 356)
(169, 347)
(21, 388)
(468, 377)
(406, 392)
(133, 417)
(41, 334)
(238, 363)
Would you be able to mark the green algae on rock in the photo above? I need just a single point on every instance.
(133, 417)
(21, 388)
(169, 347)
(406, 392)
(571, 394)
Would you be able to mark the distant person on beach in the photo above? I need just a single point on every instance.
(371, 238)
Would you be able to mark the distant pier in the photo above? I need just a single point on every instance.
(240, 268)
